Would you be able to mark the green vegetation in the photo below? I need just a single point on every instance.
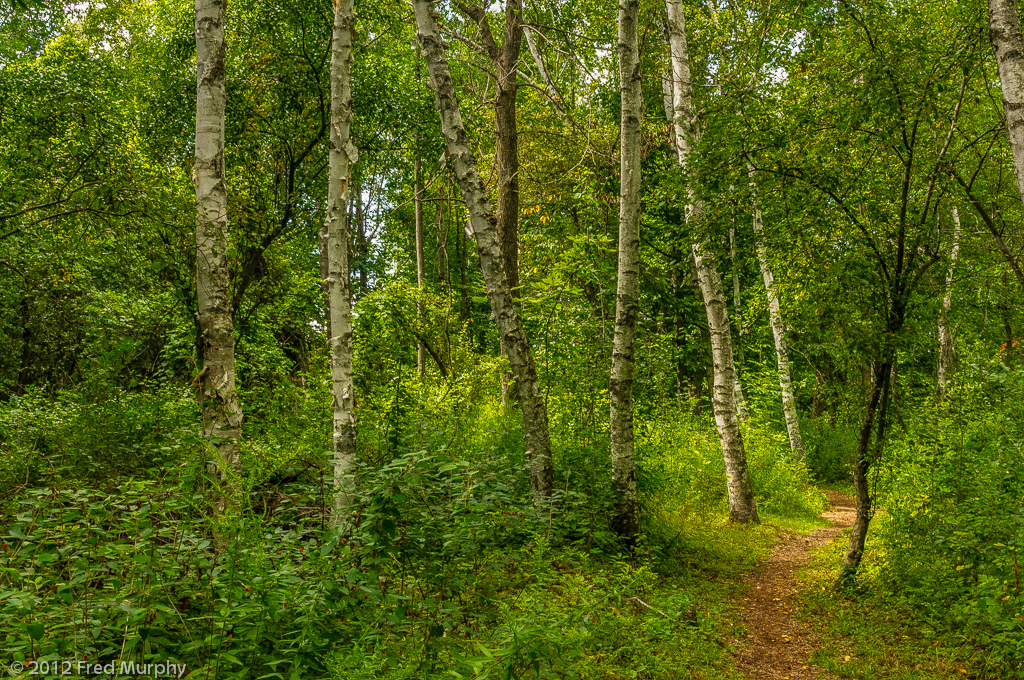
(857, 198)
(449, 568)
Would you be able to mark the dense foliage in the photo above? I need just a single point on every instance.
(855, 129)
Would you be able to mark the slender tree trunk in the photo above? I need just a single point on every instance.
(817, 399)
(24, 372)
(342, 155)
(362, 243)
(1004, 31)
(538, 61)
(485, 228)
(222, 412)
(442, 249)
(666, 94)
(464, 286)
(878, 405)
(421, 266)
(796, 442)
(945, 336)
(742, 507)
(507, 141)
(620, 388)
(505, 58)
(741, 401)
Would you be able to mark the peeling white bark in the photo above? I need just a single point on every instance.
(485, 229)
(796, 442)
(339, 285)
(222, 412)
(1004, 32)
(742, 507)
(620, 388)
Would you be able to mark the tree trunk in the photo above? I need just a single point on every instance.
(796, 442)
(877, 405)
(742, 507)
(222, 412)
(620, 387)
(362, 245)
(945, 336)
(1004, 32)
(421, 266)
(741, 401)
(538, 60)
(505, 58)
(485, 228)
(442, 248)
(463, 285)
(342, 155)
(506, 160)
(507, 142)
(666, 94)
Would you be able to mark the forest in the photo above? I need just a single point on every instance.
(543, 339)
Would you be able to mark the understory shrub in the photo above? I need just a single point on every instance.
(682, 472)
(953, 489)
(445, 569)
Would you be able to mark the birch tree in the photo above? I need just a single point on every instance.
(1004, 32)
(796, 442)
(620, 386)
(737, 300)
(505, 62)
(339, 287)
(742, 507)
(484, 226)
(945, 336)
(222, 412)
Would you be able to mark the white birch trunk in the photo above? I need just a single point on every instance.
(796, 442)
(339, 285)
(666, 94)
(1004, 32)
(620, 387)
(741, 401)
(742, 507)
(484, 226)
(538, 61)
(222, 412)
(945, 336)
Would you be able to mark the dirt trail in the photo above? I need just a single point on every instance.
(777, 646)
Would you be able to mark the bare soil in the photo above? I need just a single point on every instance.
(777, 646)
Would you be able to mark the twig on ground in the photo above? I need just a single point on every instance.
(647, 606)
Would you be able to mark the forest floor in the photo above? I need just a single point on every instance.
(778, 646)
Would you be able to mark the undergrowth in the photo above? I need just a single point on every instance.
(445, 568)
(873, 634)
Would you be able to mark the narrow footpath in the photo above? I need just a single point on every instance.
(777, 646)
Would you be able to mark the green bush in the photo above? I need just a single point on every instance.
(92, 436)
(953, 491)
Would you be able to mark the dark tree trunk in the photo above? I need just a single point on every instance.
(484, 225)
